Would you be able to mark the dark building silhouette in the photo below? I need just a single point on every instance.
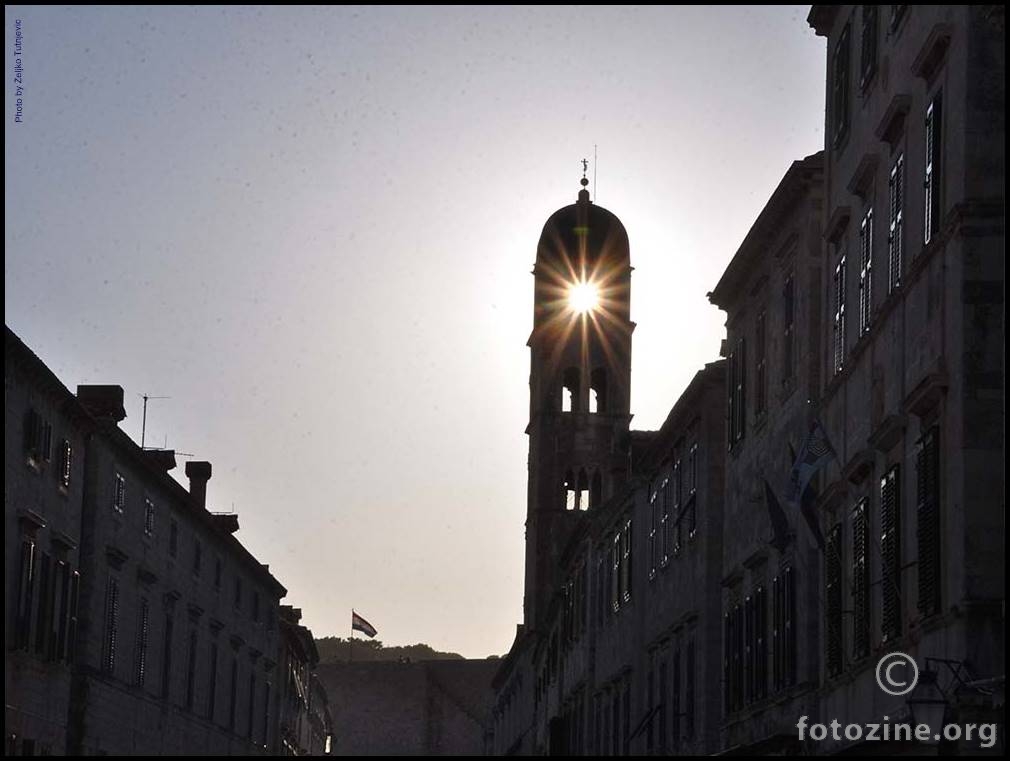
(137, 623)
(580, 378)
(383, 708)
(698, 606)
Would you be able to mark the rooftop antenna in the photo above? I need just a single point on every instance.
(143, 424)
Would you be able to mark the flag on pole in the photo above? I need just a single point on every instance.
(361, 625)
(815, 452)
(780, 523)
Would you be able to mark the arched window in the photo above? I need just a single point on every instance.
(571, 495)
(570, 390)
(598, 391)
(583, 499)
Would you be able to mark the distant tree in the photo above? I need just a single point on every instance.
(339, 650)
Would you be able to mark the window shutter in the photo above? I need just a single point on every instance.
(833, 600)
(932, 179)
(111, 625)
(26, 593)
(890, 555)
(896, 193)
(928, 510)
(860, 581)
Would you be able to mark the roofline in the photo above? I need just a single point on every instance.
(682, 411)
(796, 180)
(123, 443)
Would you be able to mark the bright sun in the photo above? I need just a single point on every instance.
(583, 297)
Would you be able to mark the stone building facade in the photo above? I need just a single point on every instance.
(912, 376)
(417, 708)
(137, 623)
(865, 331)
(45, 429)
(771, 573)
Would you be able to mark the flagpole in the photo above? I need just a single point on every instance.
(350, 643)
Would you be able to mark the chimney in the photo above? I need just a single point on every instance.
(102, 402)
(162, 459)
(227, 522)
(198, 473)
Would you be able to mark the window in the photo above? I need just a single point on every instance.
(653, 525)
(197, 557)
(662, 707)
(256, 607)
(598, 391)
(61, 612)
(666, 521)
(677, 500)
(833, 600)
(75, 590)
(119, 494)
(251, 703)
(761, 366)
(148, 518)
(26, 593)
(173, 538)
(212, 682)
(675, 698)
(38, 438)
(238, 593)
(860, 581)
(928, 514)
(111, 626)
(934, 145)
(217, 573)
(736, 416)
(788, 329)
(233, 693)
(191, 669)
(689, 512)
(733, 659)
(570, 390)
(890, 554)
(625, 561)
(895, 233)
(784, 629)
(44, 614)
(868, 47)
(866, 272)
(838, 318)
(140, 651)
(166, 658)
(66, 460)
(689, 691)
(755, 652)
(840, 89)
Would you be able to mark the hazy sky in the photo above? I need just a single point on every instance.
(313, 229)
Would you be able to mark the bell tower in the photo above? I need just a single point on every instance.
(580, 382)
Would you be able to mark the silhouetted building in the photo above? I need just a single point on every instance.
(771, 565)
(624, 553)
(912, 378)
(305, 725)
(702, 605)
(137, 623)
(45, 433)
(390, 708)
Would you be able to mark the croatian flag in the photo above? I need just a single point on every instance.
(361, 625)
